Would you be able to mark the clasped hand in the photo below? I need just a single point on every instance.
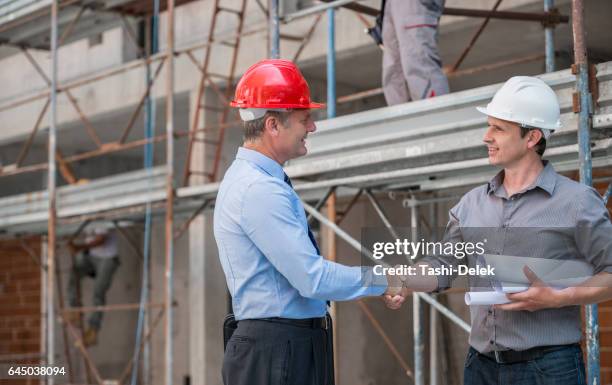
(396, 292)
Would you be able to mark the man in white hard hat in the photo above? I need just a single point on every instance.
(527, 209)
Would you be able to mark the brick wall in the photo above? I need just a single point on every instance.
(605, 309)
(605, 341)
(20, 281)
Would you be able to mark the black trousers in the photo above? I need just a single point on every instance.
(270, 353)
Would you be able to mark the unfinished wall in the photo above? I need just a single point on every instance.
(180, 331)
(20, 305)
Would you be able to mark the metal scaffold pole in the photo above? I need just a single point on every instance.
(549, 39)
(169, 268)
(331, 63)
(585, 109)
(434, 352)
(274, 30)
(51, 239)
(418, 319)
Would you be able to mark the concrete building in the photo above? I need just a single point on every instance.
(441, 132)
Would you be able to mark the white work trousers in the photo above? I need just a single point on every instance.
(412, 69)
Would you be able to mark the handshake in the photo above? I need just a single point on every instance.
(400, 286)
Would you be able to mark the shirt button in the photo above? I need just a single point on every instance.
(491, 342)
(490, 312)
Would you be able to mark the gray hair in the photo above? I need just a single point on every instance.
(253, 129)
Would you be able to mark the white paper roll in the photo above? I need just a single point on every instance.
(475, 298)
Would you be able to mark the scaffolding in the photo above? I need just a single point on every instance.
(154, 189)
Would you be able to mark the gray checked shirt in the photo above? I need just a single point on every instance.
(553, 218)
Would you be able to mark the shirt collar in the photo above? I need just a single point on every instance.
(268, 165)
(546, 180)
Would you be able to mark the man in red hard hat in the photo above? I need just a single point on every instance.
(278, 280)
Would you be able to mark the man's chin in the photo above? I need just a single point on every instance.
(300, 153)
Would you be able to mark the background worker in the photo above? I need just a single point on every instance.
(96, 257)
(412, 68)
(535, 338)
(278, 279)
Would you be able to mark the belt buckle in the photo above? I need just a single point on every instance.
(498, 357)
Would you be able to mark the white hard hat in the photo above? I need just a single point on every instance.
(527, 101)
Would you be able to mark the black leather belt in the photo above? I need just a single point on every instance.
(310, 323)
(515, 356)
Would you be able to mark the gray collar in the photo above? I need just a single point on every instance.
(545, 181)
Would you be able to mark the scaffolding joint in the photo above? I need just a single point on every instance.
(553, 18)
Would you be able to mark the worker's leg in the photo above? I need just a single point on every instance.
(417, 38)
(393, 81)
(83, 266)
(105, 269)
(423, 66)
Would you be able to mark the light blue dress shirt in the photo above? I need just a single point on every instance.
(271, 266)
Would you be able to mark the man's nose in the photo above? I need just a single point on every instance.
(312, 127)
(487, 138)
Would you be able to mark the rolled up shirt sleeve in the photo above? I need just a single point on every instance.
(271, 221)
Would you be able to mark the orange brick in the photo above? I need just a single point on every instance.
(23, 347)
(30, 299)
(29, 285)
(9, 288)
(605, 317)
(22, 275)
(605, 339)
(18, 310)
(606, 375)
(606, 358)
(25, 268)
(607, 304)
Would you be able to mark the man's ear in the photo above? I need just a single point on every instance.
(533, 138)
(271, 125)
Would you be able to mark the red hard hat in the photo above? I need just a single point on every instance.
(273, 84)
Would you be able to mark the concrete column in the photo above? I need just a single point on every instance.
(207, 288)
(181, 325)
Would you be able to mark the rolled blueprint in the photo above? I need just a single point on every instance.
(475, 298)
(510, 277)
(497, 297)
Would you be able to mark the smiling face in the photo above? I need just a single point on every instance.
(505, 145)
(290, 139)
